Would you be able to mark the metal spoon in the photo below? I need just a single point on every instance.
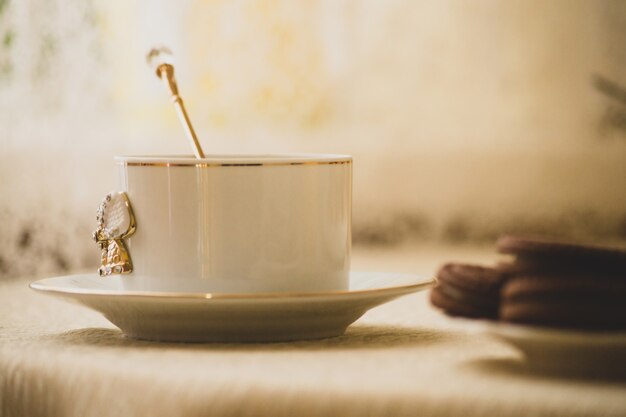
(160, 60)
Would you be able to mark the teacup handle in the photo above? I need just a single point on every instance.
(116, 222)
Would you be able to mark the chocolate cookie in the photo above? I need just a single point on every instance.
(585, 302)
(524, 287)
(524, 265)
(468, 290)
(542, 255)
(581, 315)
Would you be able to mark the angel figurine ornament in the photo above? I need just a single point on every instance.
(116, 222)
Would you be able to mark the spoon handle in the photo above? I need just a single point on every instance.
(159, 60)
(189, 132)
(167, 75)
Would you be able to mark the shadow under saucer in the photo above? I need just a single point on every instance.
(521, 367)
(356, 337)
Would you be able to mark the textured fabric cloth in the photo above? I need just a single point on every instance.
(400, 359)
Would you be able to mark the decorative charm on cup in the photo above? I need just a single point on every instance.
(116, 222)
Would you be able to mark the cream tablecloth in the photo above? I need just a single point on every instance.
(401, 359)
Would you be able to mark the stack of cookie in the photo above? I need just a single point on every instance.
(547, 283)
(468, 290)
(563, 284)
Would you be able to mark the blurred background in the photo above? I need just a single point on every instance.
(466, 119)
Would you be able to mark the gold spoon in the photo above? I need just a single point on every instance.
(160, 60)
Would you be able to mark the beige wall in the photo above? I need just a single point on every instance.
(466, 118)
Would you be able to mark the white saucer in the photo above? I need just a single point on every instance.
(556, 349)
(202, 317)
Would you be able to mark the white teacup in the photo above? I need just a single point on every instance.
(239, 224)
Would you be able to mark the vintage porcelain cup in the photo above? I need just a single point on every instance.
(238, 224)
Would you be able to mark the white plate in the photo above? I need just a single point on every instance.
(555, 349)
(202, 317)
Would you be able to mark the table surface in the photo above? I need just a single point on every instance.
(402, 358)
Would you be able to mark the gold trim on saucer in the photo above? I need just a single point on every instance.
(428, 282)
